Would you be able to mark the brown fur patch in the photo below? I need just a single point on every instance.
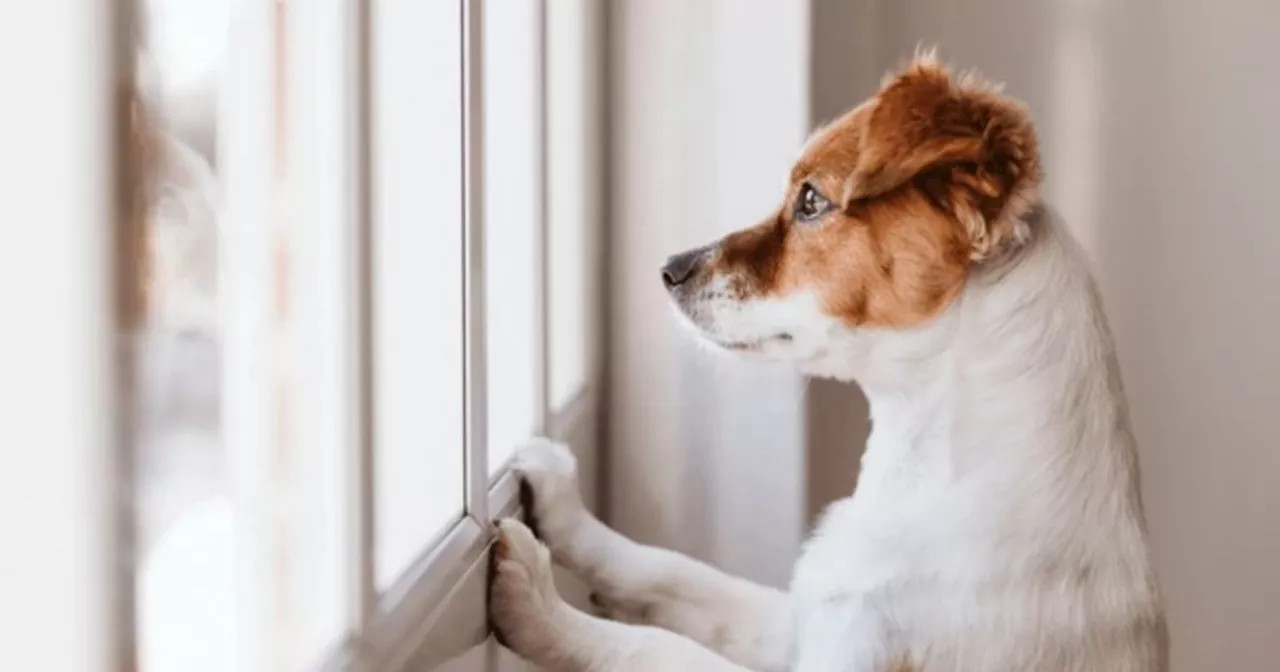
(901, 663)
(752, 257)
(930, 175)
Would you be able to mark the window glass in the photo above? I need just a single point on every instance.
(417, 264)
(512, 213)
(567, 201)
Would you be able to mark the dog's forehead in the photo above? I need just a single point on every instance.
(832, 150)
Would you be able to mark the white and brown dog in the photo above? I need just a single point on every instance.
(996, 525)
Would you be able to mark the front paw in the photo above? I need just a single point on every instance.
(551, 474)
(523, 602)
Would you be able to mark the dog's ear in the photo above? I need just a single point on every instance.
(971, 149)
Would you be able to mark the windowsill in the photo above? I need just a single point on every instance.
(438, 593)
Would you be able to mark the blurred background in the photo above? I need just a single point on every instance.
(288, 281)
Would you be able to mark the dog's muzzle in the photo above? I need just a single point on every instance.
(683, 267)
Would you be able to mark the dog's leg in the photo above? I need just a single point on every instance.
(531, 619)
(631, 582)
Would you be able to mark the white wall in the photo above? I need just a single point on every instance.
(709, 107)
(1158, 121)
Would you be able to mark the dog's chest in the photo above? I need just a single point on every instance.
(879, 587)
(845, 590)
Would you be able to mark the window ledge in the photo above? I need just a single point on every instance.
(436, 611)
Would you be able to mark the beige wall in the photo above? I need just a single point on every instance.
(709, 106)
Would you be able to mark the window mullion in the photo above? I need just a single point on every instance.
(331, 448)
(477, 446)
(361, 587)
(246, 286)
(542, 337)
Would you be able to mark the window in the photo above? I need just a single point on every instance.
(513, 207)
(572, 197)
(239, 447)
(538, 196)
(417, 278)
(338, 291)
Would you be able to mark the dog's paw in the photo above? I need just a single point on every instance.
(523, 602)
(551, 474)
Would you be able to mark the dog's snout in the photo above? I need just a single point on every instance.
(681, 267)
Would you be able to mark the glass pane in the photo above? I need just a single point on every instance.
(315, 174)
(241, 392)
(187, 533)
(512, 212)
(568, 193)
(417, 278)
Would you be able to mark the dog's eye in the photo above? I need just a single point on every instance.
(810, 205)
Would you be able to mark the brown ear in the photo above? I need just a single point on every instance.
(971, 149)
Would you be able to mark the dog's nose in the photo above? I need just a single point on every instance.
(679, 268)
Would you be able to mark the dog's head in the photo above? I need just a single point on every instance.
(884, 215)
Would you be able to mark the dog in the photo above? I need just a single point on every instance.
(996, 525)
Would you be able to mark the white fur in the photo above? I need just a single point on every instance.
(996, 527)
(753, 325)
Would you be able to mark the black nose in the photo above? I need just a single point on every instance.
(679, 268)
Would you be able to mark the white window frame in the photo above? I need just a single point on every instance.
(438, 592)
(87, 599)
(436, 603)
(392, 627)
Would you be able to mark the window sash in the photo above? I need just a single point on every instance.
(329, 128)
(514, 133)
(391, 628)
(418, 341)
(381, 627)
(250, 232)
(328, 293)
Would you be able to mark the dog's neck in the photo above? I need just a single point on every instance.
(1014, 390)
